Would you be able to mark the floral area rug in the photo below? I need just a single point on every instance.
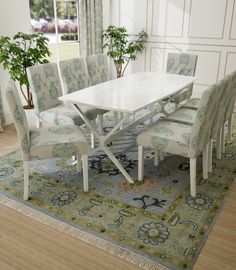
(155, 224)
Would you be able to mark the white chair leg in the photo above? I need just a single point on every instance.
(205, 162)
(100, 123)
(85, 172)
(115, 118)
(26, 180)
(39, 123)
(230, 129)
(210, 156)
(92, 140)
(78, 158)
(223, 140)
(156, 158)
(152, 109)
(140, 163)
(92, 136)
(161, 155)
(218, 144)
(121, 117)
(193, 168)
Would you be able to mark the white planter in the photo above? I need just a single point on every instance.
(31, 117)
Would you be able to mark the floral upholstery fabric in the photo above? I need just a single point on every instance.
(64, 141)
(65, 114)
(167, 136)
(182, 139)
(45, 86)
(44, 80)
(231, 96)
(182, 64)
(75, 77)
(183, 115)
(74, 74)
(97, 67)
(19, 118)
(44, 142)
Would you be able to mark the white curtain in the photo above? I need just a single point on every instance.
(90, 27)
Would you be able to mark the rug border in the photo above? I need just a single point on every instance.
(63, 226)
(132, 255)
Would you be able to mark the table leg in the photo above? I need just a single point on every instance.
(117, 163)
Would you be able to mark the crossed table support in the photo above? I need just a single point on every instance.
(116, 131)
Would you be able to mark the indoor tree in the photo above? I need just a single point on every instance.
(120, 48)
(23, 51)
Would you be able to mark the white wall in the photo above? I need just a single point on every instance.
(14, 17)
(203, 27)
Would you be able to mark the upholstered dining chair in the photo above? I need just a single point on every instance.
(75, 77)
(188, 115)
(97, 66)
(227, 91)
(182, 139)
(98, 71)
(46, 88)
(43, 143)
(182, 64)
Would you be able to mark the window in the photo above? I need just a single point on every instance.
(58, 20)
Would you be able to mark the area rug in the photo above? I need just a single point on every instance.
(154, 224)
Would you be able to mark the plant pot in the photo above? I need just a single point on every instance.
(31, 117)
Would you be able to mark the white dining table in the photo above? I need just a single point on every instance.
(126, 95)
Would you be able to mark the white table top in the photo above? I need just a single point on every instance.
(130, 93)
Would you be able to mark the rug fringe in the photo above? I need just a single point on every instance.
(109, 247)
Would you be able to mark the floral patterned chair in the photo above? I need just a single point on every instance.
(43, 143)
(227, 95)
(75, 77)
(97, 67)
(46, 88)
(182, 139)
(182, 64)
(98, 71)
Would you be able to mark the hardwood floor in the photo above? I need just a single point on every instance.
(26, 244)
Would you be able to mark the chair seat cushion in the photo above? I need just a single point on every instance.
(65, 114)
(182, 115)
(57, 141)
(167, 136)
(192, 104)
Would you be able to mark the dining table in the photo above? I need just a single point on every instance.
(126, 95)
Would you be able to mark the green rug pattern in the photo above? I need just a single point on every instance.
(172, 239)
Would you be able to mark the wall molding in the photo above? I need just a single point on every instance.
(146, 21)
(223, 30)
(182, 31)
(226, 61)
(231, 23)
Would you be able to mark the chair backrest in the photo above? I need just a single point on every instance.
(181, 63)
(97, 67)
(231, 96)
(19, 118)
(45, 86)
(202, 125)
(220, 97)
(74, 74)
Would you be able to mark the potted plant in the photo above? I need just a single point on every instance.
(120, 48)
(23, 51)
